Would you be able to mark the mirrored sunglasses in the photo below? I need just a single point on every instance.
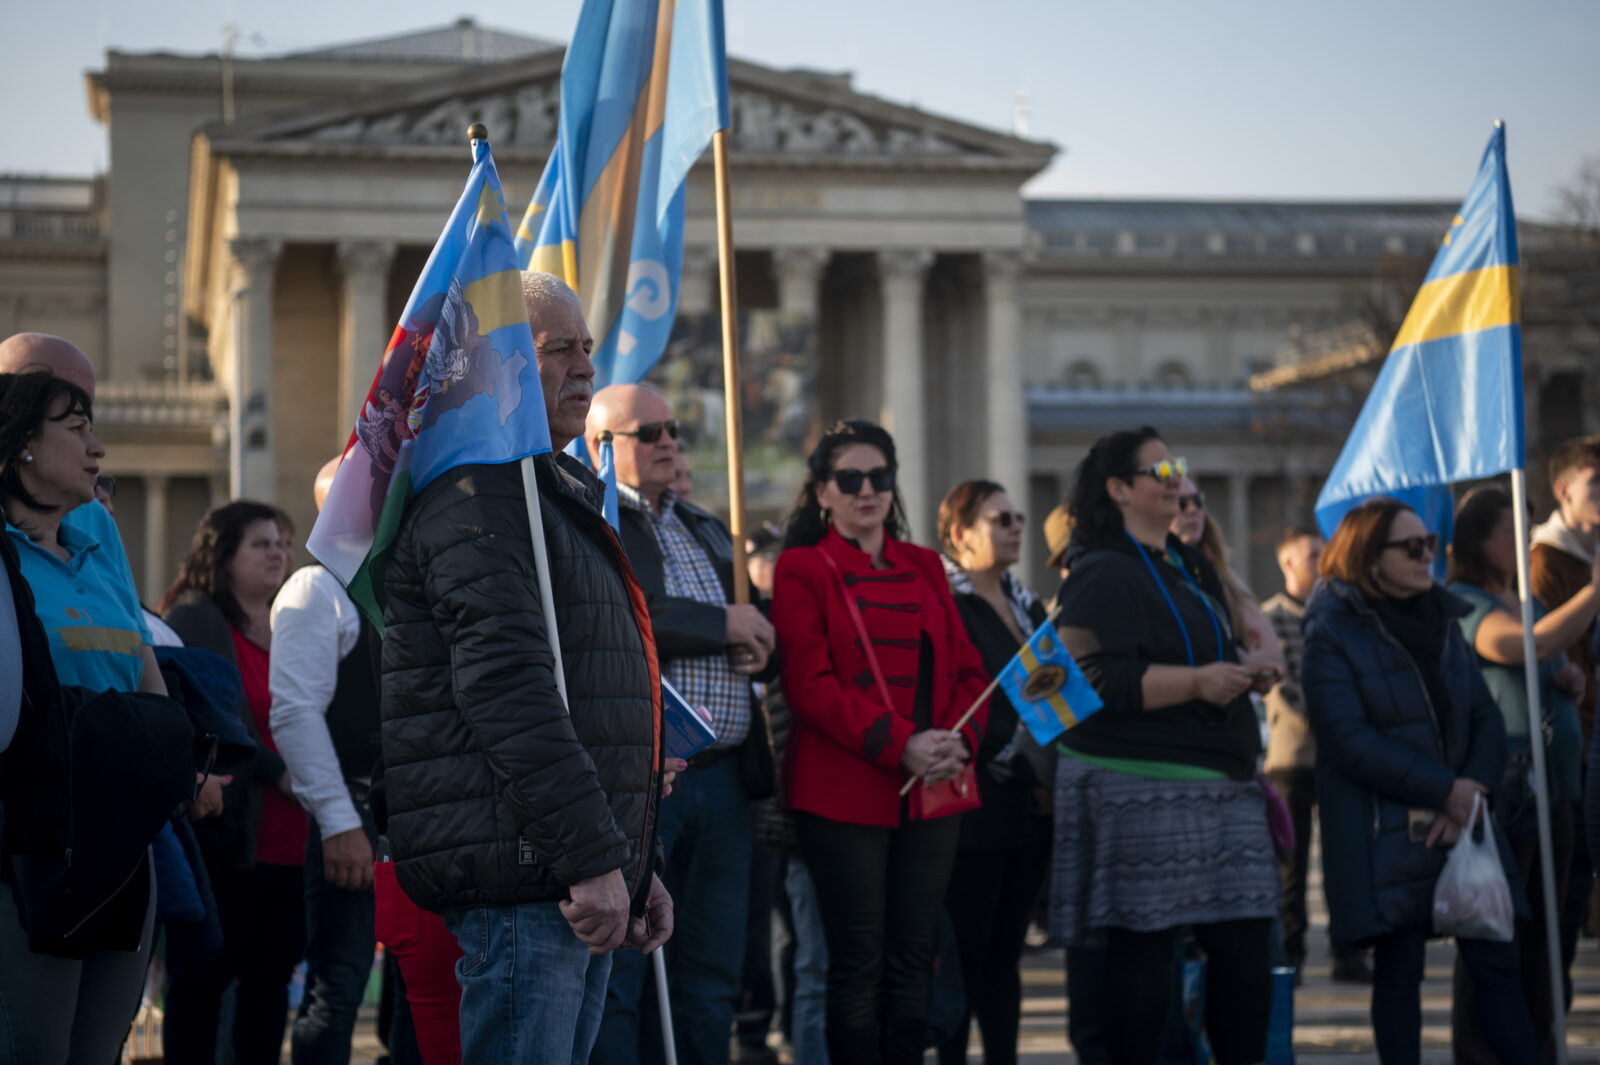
(1166, 471)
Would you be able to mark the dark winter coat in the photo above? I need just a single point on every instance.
(229, 839)
(495, 794)
(86, 784)
(1383, 749)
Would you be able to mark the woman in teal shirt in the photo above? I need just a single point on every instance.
(1483, 572)
(56, 1009)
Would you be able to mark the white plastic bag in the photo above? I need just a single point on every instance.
(1472, 899)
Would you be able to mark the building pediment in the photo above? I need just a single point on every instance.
(783, 117)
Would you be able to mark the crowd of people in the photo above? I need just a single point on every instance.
(255, 775)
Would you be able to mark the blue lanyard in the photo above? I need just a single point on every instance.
(1216, 626)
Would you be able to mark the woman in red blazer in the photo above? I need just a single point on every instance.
(880, 873)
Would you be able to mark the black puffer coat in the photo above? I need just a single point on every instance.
(495, 794)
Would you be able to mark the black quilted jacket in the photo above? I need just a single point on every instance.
(495, 794)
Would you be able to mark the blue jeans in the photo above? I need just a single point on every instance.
(339, 948)
(705, 834)
(809, 1031)
(530, 989)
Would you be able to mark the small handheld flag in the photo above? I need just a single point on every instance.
(1049, 691)
(606, 467)
(458, 384)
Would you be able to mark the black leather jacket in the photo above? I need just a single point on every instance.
(495, 793)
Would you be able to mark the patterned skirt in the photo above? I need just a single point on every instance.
(1147, 855)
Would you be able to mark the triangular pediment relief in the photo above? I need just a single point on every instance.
(779, 114)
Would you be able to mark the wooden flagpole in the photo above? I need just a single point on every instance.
(732, 390)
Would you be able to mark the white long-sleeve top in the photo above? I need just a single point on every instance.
(314, 626)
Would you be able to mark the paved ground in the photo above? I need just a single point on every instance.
(1330, 1023)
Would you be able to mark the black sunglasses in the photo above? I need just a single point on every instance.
(650, 432)
(1197, 500)
(850, 481)
(1416, 545)
(1007, 518)
(107, 484)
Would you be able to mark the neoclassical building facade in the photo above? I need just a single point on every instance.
(236, 274)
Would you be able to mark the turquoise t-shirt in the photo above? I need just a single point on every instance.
(89, 606)
(1510, 690)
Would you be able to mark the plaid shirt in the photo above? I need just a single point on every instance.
(704, 680)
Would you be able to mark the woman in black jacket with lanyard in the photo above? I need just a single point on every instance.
(1005, 843)
(1159, 823)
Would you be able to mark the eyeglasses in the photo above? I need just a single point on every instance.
(850, 481)
(1197, 501)
(650, 432)
(1007, 518)
(1416, 545)
(1166, 471)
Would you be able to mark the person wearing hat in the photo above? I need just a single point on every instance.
(1057, 535)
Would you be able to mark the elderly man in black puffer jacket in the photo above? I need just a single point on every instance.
(527, 820)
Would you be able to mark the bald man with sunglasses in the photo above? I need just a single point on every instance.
(710, 648)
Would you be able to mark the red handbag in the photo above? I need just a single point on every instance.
(925, 801)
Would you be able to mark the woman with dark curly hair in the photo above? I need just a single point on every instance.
(877, 668)
(1159, 823)
(255, 852)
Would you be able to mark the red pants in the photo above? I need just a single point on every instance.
(426, 953)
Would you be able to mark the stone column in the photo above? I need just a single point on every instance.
(1238, 527)
(1006, 405)
(798, 270)
(697, 282)
(363, 324)
(251, 471)
(901, 273)
(156, 548)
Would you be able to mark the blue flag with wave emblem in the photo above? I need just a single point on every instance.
(643, 87)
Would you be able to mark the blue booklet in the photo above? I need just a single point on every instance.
(686, 732)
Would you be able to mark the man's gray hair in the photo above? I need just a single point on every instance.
(541, 289)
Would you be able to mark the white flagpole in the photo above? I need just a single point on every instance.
(541, 565)
(1530, 669)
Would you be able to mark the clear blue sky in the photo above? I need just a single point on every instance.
(1184, 98)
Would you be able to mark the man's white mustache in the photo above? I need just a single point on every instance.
(575, 392)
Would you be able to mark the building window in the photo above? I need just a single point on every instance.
(1173, 374)
(1083, 373)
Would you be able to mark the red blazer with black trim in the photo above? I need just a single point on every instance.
(845, 747)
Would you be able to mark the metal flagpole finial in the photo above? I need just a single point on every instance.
(477, 132)
(605, 436)
(1499, 123)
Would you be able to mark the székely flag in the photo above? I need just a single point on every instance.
(1046, 686)
(458, 384)
(1447, 405)
(643, 88)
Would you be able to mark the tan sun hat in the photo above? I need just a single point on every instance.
(1057, 534)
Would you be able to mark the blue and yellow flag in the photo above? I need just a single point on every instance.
(458, 383)
(1046, 686)
(643, 88)
(1447, 405)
